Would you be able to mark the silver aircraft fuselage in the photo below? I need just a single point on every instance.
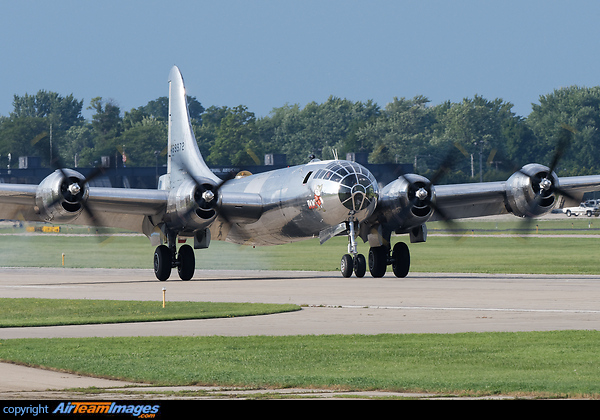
(294, 203)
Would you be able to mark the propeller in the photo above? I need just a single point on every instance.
(207, 194)
(543, 185)
(72, 188)
(420, 195)
(209, 197)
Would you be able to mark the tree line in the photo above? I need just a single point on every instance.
(485, 138)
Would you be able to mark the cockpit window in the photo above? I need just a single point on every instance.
(335, 177)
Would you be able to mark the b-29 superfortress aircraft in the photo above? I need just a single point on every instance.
(320, 198)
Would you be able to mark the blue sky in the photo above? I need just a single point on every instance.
(266, 53)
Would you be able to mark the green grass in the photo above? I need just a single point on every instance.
(507, 255)
(30, 312)
(473, 254)
(564, 226)
(563, 364)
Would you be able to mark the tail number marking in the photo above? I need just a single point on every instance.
(177, 147)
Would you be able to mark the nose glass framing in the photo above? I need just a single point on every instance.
(358, 187)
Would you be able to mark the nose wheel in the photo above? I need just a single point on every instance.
(353, 264)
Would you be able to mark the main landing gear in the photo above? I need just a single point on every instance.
(379, 258)
(399, 260)
(167, 258)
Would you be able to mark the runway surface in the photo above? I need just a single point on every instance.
(420, 303)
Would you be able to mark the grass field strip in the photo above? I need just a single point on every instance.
(515, 235)
(430, 308)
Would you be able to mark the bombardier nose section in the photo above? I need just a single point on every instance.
(355, 187)
(357, 192)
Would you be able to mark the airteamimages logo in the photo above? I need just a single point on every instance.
(142, 411)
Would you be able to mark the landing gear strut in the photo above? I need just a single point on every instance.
(167, 258)
(353, 261)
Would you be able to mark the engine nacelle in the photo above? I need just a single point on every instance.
(530, 191)
(406, 202)
(61, 195)
(192, 206)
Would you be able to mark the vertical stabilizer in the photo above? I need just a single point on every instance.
(183, 153)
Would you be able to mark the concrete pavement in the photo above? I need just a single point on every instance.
(421, 303)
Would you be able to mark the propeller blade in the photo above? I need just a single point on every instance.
(96, 172)
(205, 199)
(564, 139)
(56, 163)
(451, 224)
(446, 166)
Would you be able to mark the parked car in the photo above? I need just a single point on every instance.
(589, 208)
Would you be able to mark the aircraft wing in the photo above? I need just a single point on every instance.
(578, 185)
(125, 208)
(111, 207)
(17, 202)
(460, 201)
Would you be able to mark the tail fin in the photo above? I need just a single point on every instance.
(183, 154)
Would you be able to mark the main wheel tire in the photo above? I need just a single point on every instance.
(187, 262)
(162, 262)
(401, 260)
(346, 265)
(378, 260)
(360, 265)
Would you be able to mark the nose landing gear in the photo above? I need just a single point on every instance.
(353, 261)
(356, 264)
